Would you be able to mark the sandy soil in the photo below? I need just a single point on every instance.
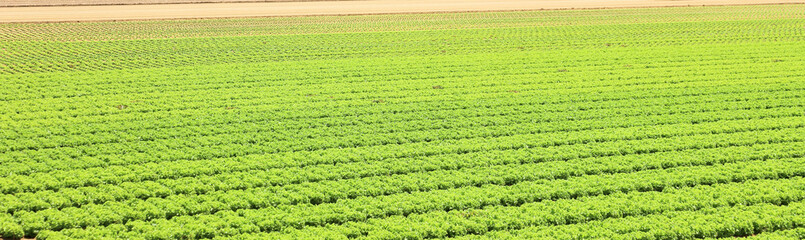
(220, 10)
(33, 3)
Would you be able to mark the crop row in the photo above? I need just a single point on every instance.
(198, 78)
(29, 56)
(291, 74)
(212, 200)
(539, 122)
(339, 172)
(484, 140)
(336, 191)
(791, 234)
(342, 173)
(163, 118)
(377, 210)
(534, 108)
(335, 156)
(314, 126)
(364, 97)
(736, 221)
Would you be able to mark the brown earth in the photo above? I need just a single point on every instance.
(264, 9)
(34, 3)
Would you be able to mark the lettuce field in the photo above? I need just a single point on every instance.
(651, 123)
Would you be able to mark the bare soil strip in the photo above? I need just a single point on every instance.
(36, 3)
(266, 9)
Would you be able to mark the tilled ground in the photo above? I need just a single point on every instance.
(30, 3)
(298, 8)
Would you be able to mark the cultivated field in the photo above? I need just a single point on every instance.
(662, 123)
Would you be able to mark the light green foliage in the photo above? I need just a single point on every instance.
(666, 123)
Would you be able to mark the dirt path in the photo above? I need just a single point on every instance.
(219, 10)
(34, 3)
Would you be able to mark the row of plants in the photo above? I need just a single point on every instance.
(477, 141)
(379, 214)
